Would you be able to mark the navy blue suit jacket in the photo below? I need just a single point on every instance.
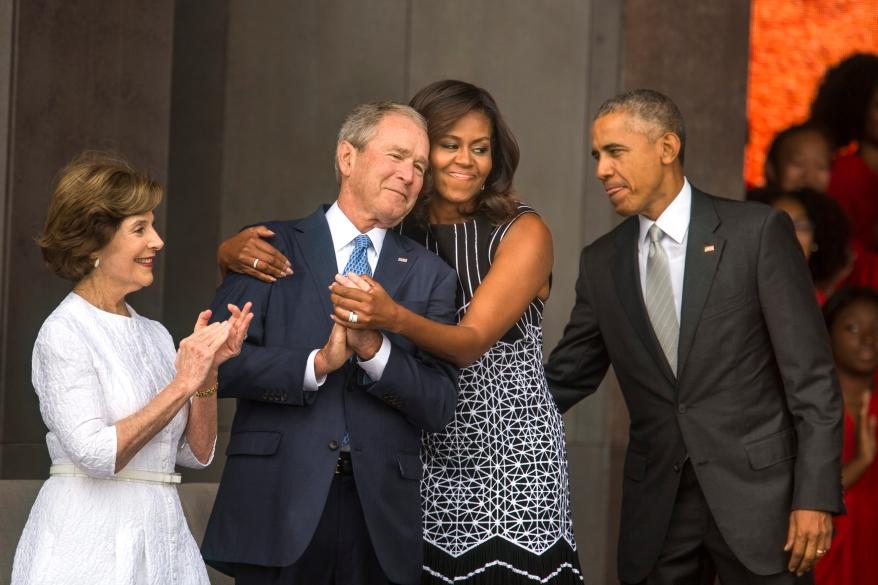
(284, 441)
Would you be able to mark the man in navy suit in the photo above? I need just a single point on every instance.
(322, 479)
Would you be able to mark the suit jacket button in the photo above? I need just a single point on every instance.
(333, 445)
(677, 467)
(681, 409)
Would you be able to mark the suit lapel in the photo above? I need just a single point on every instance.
(703, 252)
(394, 262)
(627, 277)
(315, 245)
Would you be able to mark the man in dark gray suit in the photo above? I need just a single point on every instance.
(706, 310)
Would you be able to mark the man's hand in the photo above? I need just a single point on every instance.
(364, 343)
(334, 354)
(808, 539)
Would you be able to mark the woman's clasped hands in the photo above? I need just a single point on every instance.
(210, 345)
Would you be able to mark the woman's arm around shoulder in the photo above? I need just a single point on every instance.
(519, 273)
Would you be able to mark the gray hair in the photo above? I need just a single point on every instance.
(651, 107)
(360, 125)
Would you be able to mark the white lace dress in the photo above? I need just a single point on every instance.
(90, 369)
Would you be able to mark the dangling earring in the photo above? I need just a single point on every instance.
(97, 262)
(483, 186)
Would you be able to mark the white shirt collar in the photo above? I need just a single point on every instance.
(674, 220)
(343, 231)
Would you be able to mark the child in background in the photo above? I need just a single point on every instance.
(852, 320)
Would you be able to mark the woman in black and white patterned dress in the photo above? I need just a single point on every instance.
(495, 488)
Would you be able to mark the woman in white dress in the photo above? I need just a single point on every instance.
(121, 405)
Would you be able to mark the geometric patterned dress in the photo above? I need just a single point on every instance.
(495, 487)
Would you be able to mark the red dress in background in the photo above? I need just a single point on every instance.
(853, 557)
(855, 186)
(865, 270)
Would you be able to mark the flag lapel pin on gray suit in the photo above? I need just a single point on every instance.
(401, 259)
(708, 248)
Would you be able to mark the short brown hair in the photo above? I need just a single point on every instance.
(445, 102)
(94, 193)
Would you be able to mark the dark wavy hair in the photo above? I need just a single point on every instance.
(843, 98)
(832, 233)
(832, 229)
(445, 102)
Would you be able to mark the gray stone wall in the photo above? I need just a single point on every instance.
(73, 76)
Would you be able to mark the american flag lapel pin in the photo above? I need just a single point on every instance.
(401, 259)
(708, 248)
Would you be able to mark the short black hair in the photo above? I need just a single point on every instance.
(781, 137)
(844, 298)
(651, 106)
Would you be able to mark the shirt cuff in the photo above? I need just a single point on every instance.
(311, 383)
(374, 367)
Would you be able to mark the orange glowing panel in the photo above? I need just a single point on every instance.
(792, 43)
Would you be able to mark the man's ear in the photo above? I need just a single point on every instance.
(345, 156)
(670, 145)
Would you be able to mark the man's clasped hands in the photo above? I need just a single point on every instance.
(361, 308)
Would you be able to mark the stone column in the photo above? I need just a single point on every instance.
(73, 76)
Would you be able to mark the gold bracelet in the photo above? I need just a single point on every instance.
(208, 392)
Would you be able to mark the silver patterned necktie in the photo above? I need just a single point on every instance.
(660, 297)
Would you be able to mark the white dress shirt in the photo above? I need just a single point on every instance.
(343, 234)
(674, 222)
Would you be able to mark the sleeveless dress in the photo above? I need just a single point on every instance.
(495, 488)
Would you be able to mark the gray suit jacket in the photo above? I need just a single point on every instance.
(755, 404)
